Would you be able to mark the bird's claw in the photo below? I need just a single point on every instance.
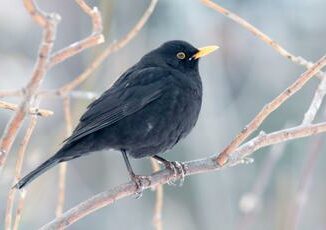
(140, 185)
(178, 172)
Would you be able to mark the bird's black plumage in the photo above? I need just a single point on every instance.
(147, 111)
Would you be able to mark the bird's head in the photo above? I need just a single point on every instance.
(177, 54)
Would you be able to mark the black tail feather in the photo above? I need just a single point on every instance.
(38, 171)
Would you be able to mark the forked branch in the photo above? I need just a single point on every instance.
(192, 167)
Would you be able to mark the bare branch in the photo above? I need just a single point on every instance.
(19, 210)
(32, 111)
(11, 93)
(269, 108)
(316, 103)
(81, 94)
(94, 39)
(44, 61)
(262, 36)
(48, 23)
(37, 15)
(109, 50)
(19, 165)
(192, 167)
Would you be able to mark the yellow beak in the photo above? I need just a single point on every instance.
(204, 51)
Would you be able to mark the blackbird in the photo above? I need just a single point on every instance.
(147, 110)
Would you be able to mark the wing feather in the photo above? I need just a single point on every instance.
(121, 100)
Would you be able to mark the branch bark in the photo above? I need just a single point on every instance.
(44, 61)
(94, 39)
(63, 167)
(262, 36)
(19, 165)
(48, 23)
(269, 108)
(111, 48)
(192, 167)
(31, 111)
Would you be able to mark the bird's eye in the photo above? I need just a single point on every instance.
(181, 55)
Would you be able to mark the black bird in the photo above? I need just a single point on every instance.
(147, 111)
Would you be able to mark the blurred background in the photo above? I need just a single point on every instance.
(238, 80)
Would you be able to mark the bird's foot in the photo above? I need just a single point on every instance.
(178, 172)
(140, 182)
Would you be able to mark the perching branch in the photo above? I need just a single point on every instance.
(269, 108)
(205, 165)
(264, 113)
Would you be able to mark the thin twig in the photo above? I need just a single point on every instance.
(192, 167)
(269, 108)
(31, 111)
(48, 93)
(109, 50)
(37, 15)
(63, 167)
(262, 36)
(316, 103)
(19, 164)
(95, 38)
(19, 210)
(157, 216)
(11, 93)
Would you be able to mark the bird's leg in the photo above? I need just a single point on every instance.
(175, 166)
(138, 180)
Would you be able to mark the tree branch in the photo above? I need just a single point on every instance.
(115, 46)
(95, 38)
(192, 167)
(31, 111)
(48, 23)
(19, 165)
(269, 108)
(63, 167)
(316, 103)
(262, 36)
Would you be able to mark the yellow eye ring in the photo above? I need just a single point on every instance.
(181, 55)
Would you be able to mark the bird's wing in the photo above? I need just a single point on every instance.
(124, 98)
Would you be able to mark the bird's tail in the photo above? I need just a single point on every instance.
(38, 171)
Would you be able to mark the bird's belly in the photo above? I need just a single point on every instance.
(154, 129)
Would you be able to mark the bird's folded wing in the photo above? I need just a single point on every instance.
(118, 102)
